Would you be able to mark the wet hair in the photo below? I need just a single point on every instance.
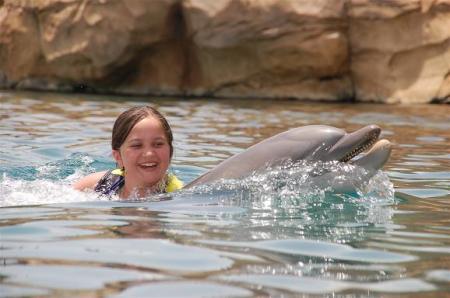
(128, 119)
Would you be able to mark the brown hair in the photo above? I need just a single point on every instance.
(128, 119)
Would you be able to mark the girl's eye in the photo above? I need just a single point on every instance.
(135, 145)
(159, 144)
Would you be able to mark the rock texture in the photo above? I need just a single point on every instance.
(400, 50)
(363, 50)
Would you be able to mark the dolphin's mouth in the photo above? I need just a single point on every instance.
(366, 143)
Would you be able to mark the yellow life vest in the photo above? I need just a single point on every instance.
(173, 183)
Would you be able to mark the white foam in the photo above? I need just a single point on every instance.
(37, 192)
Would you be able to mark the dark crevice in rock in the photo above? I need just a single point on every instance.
(329, 78)
(348, 24)
(176, 23)
(120, 75)
(177, 30)
(83, 88)
(445, 100)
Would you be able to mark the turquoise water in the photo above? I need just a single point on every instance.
(277, 233)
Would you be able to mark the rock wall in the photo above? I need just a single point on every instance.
(363, 50)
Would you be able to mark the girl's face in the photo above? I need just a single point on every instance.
(145, 155)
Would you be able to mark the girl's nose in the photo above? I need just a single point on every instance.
(149, 151)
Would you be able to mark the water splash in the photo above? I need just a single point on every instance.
(294, 184)
(22, 192)
(49, 183)
(309, 194)
(284, 191)
(73, 167)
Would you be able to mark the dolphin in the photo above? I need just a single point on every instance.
(310, 143)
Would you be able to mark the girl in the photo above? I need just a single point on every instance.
(142, 147)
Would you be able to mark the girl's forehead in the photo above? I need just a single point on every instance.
(148, 121)
(148, 125)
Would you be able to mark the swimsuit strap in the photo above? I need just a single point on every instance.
(110, 183)
(113, 180)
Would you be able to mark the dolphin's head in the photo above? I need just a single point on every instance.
(313, 143)
(327, 143)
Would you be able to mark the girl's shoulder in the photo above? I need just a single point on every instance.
(90, 181)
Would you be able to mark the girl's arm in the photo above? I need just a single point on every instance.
(88, 182)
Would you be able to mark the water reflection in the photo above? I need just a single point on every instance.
(188, 288)
(323, 286)
(88, 277)
(157, 255)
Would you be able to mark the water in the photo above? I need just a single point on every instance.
(277, 233)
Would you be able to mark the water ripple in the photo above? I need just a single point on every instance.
(319, 249)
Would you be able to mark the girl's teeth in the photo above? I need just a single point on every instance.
(148, 164)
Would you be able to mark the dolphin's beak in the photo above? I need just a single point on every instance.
(352, 144)
(376, 157)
